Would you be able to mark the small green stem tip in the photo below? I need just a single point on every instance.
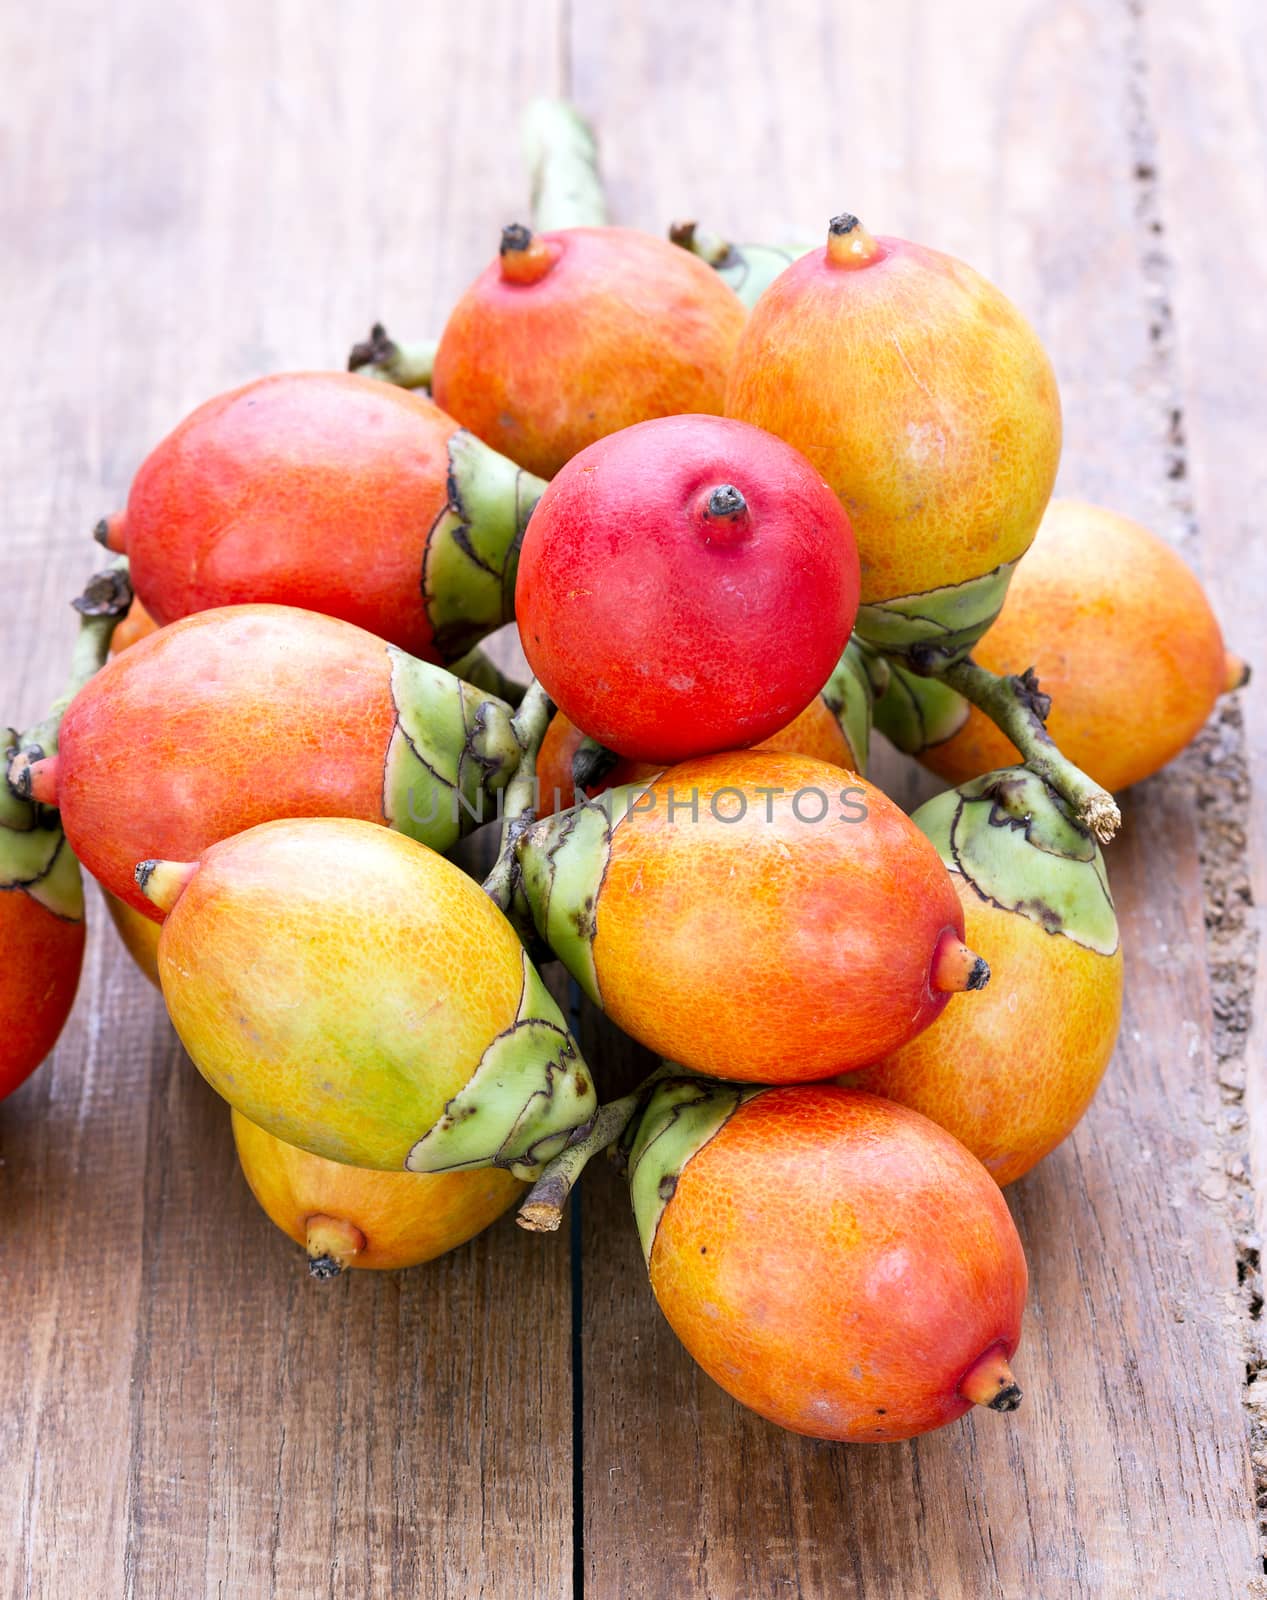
(408, 366)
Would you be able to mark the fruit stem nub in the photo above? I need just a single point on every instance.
(955, 968)
(849, 244)
(1237, 673)
(525, 257)
(331, 1243)
(989, 1382)
(161, 882)
(726, 501)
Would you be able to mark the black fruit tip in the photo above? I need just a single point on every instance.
(515, 237)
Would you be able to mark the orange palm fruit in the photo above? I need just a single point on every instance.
(928, 404)
(837, 1263)
(231, 717)
(358, 1217)
(335, 493)
(1121, 636)
(1011, 1074)
(41, 933)
(834, 727)
(355, 994)
(571, 335)
(137, 625)
(752, 915)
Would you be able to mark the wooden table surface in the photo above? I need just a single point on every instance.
(192, 196)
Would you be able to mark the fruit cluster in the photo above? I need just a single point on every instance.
(744, 504)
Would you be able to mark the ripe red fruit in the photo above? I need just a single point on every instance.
(42, 938)
(235, 717)
(838, 1263)
(572, 335)
(334, 493)
(686, 586)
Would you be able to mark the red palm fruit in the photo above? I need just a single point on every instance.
(570, 336)
(686, 585)
(1011, 1074)
(837, 1263)
(233, 717)
(753, 916)
(1122, 637)
(332, 492)
(355, 994)
(927, 402)
(41, 935)
(359, 1217)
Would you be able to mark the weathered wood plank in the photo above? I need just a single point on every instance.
(1008, 139)
(191, 198)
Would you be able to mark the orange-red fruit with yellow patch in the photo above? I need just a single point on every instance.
(754, 916)
(570, 336)
(39, 974)
(1010, 1072)
(361, 1217)
(1122, 638)
(312, 489)
(816, 732)
(919, 392)
(841, 1266)
(221, 721)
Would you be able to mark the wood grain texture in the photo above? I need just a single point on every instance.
(192, 197)
(1008, 137)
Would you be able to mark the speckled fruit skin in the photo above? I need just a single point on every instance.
(922, 396)
(138, 934)
(222, 720)
(39, 974)
(623, 326)
(389, 929)
(837, 1263)
(774, 952)
(1010, 1072)
(664, 633)
(406, 1217)
(816, 732)
(311, 489)
(1123, 640)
